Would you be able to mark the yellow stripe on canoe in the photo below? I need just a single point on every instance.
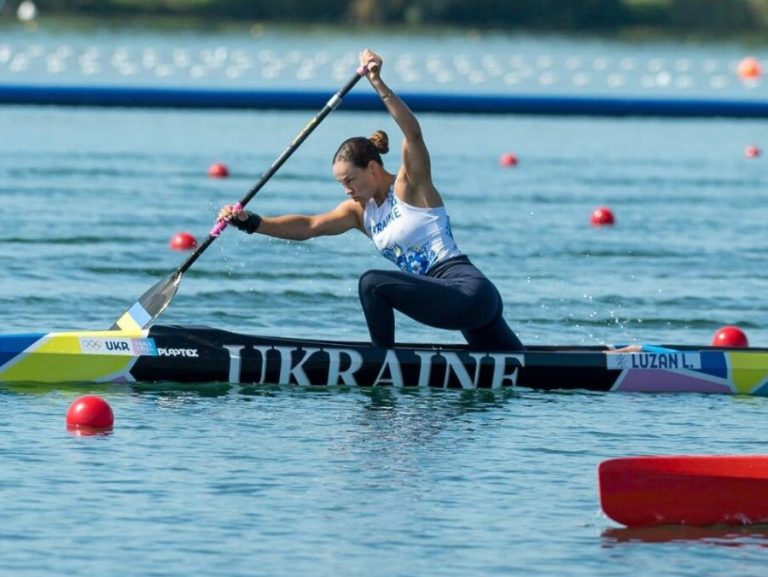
(748, 371)
(63, 357)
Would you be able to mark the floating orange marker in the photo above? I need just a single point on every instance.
(730, 336)
(698, 490)
(508, 159)
(218, 170)
(750, 68)
(602, 216)
(751, 151)
(90, 414)
(183, 241)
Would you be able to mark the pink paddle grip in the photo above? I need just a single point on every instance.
(222, 224)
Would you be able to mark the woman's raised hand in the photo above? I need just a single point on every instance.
(372, 62)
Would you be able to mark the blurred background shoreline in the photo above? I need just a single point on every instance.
(681, 20)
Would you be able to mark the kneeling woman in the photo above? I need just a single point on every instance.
(405, 217)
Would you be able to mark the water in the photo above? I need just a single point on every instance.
(284, 481)
(92, 198)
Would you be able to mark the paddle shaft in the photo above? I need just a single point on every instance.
(331, 105)
(153, 302)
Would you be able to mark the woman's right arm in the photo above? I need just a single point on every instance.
(344, 217)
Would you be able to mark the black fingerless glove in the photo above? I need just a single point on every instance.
(249, 225)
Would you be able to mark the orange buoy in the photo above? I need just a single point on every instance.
(751, 151)
(508, 159)
(749, 68)
(183, 241)
(91, 413)
(602, 216)
(730, 336)
(218, 170)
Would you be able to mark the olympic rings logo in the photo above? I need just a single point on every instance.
(91, 345)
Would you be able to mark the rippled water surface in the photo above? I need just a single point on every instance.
(286, 481)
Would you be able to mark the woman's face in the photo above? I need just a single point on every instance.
(358, 183)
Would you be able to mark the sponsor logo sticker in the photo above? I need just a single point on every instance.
(189, 353)
(118, 346)
(657, 361)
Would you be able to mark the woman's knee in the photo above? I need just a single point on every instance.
(368, 282)
(497, 335)
(374, 279)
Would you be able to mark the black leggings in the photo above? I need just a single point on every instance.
(454, 295)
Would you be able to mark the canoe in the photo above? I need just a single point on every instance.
(695, 490)
(184, 354)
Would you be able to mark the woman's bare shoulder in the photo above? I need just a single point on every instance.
(419, 194)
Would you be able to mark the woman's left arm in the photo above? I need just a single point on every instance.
(416, 162)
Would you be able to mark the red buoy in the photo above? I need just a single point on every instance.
(182, 241)
(218, 170)
(602, 216)
(750, 68)
(91, 413)
(730, 336)
(751, 151)
(508, 159)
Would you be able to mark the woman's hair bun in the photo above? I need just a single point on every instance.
(380, 141)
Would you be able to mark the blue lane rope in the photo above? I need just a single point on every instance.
(147, 97)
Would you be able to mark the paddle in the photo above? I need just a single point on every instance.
(153, 302)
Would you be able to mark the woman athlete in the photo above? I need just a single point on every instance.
(405, 217)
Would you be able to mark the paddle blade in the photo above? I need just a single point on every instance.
(149, 306)
(685, 490)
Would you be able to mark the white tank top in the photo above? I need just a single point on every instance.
(413, 238)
